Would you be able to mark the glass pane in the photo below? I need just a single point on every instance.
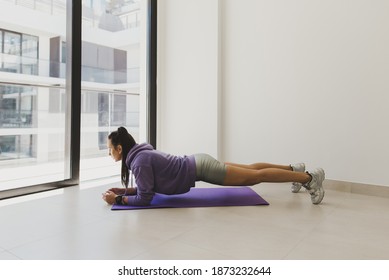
(113, 78)
(11, 52)
(32, 118)
(32, 136)
(29, 54)
(11, 43)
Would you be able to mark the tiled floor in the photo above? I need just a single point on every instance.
(74, 223)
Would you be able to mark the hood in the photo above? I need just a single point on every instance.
(136, 150)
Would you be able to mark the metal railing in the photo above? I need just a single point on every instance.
(128, 12)
(46, 68)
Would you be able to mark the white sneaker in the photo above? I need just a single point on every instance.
(315, 186)
(297, 167)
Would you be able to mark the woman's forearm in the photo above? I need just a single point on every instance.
(130, 191)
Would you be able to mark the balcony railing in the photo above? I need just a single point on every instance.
(15, 118)
(46, 68)
(127, 12)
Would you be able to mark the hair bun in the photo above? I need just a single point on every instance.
(122, 131)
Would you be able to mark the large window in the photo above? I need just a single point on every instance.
(36, 97)
(32, 129)
(113, 49)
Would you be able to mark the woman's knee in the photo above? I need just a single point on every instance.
(237, 176)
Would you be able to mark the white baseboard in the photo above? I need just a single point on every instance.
(357, 188)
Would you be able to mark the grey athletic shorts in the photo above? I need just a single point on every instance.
(209, 169)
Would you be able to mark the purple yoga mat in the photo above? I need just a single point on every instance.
(203, 197)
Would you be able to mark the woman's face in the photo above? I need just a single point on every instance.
(115, 153)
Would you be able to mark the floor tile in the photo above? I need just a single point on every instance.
(77, 224)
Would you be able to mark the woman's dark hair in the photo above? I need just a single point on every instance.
(123, 138)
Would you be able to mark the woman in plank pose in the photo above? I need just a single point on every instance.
(158, 172)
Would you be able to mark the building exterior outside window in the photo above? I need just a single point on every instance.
(33, 56)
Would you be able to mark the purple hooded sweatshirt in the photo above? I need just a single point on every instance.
(157, 172)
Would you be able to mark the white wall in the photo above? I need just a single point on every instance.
(302, 80)
(188, 85)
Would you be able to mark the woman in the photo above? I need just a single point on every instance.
(157, 172)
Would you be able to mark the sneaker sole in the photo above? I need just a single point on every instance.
(321, 178)
(318, 200)
(296, 187)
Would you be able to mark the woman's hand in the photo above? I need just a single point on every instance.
(109, 197)
(118, 191)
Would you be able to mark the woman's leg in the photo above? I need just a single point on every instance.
(212, 171)
(260, 165)
(300, 167)
(239, 175)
